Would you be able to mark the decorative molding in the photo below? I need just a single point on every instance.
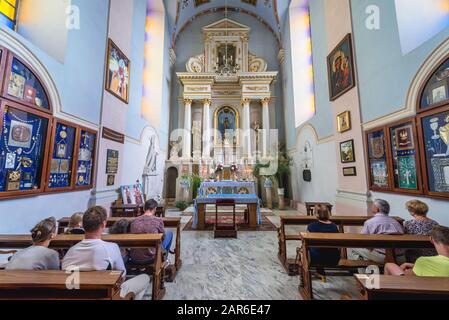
(172, 57)
(281, 57)
(352, 197)
(10, 42)
(318, 141)
(112, 135)
(433, 60)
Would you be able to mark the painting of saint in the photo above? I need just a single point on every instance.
(341, 69)
(226, 123)
(118, 75)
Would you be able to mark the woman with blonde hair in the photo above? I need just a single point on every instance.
(419, 225)
(76, 224)
(323, 257)
(38, 256)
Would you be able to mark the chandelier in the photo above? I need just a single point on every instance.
(229, 65)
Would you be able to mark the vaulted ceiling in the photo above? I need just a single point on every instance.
(271, 13)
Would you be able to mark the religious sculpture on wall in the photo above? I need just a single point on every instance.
(196, 132)
(175, 148)
(151, 160)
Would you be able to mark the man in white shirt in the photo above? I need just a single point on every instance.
(94, 254)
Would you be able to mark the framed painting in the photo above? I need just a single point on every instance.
(344, 122)
(132, 194)
(404, 137)
(347, 151)
(340, 64)
(377, 155)
(434, 130)
(118, 72)
(350, 172)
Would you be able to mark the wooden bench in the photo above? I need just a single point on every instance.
(310, 207)
(399, 288)
(341, 221)
(345, 240)
(138, 241)
(133, 210)
(52, 285)
(169, 223)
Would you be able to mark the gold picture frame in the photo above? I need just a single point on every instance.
(344, 122)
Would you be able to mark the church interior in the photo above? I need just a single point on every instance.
(224, 149)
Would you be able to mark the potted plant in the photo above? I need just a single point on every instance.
(284, 163)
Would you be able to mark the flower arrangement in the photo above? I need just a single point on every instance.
(234, 168)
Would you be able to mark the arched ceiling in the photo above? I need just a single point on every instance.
(272, 13)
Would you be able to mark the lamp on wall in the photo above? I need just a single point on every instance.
(229, 65)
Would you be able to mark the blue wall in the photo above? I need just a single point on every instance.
(323, 119)
(385, 74)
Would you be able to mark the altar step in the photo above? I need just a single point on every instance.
(239, 209)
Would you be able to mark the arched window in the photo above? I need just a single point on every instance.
(38, 152)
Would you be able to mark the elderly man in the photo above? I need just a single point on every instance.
(381, 223)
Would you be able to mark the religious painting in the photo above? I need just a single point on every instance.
(404, 138)
(226, 123)
(118, 73)
(22, 143)
(25, 86)
(85, 161)
(226, 55)
(379, 174)
(350, 172)
(436, 89)
(341, 69)
(407, 173)
(344, 122)
(347, 151)
(132, 194)
(436, 139)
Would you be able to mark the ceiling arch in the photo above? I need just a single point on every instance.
(271, 13)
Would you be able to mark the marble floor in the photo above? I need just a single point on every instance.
(241, 269)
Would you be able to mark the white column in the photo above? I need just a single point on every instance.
(187, 142)
(207, 132)
(247, 128)
(265, 125)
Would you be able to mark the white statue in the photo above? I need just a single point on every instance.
(196, 132)
(175, 148)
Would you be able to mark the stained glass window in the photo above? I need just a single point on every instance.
(8, 11)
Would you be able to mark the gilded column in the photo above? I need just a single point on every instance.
(187, 144)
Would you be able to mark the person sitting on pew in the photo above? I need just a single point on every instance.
(94, 254)
(419, 225)
(38, 256)
(122, 227)
(148, 223)
(76, 224)
(437, 266)
(381, 223)
(323, 257)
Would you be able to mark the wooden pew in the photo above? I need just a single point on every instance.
(169, 223)
(399, 288)
(298, 220)
(133, 210)
(139, 241)
(345, 240)
(51, 285)
(310, 207)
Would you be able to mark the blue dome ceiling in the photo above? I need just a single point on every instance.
(272, 13)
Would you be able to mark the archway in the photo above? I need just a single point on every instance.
(170, 181)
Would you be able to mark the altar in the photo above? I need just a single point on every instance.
(243, 192)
